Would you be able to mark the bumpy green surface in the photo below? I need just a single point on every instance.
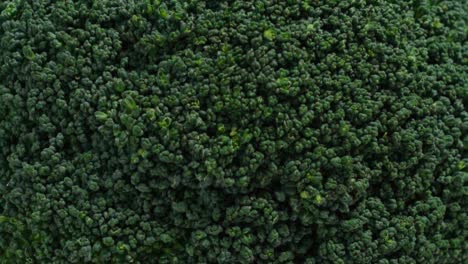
(189, 131)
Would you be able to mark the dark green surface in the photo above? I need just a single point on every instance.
(233, 131)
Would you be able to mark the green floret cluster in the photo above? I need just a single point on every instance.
(263, 131)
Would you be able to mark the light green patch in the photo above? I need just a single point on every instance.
(318, 199)
(10, 9)
(461, 165)
(305, 195)
(129, 104)
(163, 12)
(165, 122)
(269, 34)
(101, 116)
(221, 128)
(28, 53)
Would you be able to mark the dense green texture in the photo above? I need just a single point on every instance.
(233, 131)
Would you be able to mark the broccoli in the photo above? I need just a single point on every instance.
(170, 131)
